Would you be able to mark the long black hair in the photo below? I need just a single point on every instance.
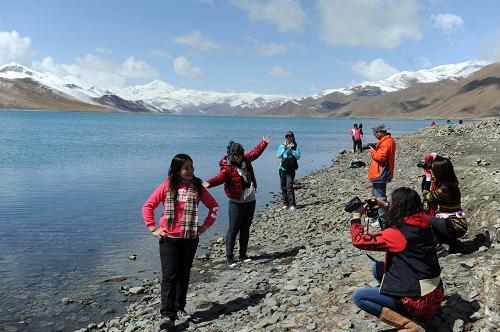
(404, 202)
(174, 174)
(443, 172)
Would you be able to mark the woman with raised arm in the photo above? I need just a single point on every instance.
(240, 185)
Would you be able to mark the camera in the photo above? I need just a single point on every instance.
(356, 202)
(425, 164)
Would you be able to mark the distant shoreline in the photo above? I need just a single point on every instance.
(246, 115)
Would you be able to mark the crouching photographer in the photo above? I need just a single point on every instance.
(410, 283)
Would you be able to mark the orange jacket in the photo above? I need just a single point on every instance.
(382, 164)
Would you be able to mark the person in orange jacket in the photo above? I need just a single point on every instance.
(381, 168)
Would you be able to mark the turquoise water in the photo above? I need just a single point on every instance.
(73, 184)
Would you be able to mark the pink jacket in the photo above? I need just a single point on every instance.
(160, 195)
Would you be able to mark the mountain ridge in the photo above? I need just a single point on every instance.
(405, 94)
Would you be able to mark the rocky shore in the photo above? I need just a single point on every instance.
(305, 269)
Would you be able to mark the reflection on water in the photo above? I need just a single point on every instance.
(72, 188)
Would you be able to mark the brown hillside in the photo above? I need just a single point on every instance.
(28, 94)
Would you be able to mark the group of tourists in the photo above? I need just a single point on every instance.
(179, 230)
(411, 232)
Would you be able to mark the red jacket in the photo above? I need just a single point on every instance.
(160, 195)
(229, 175)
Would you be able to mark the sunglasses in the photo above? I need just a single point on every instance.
(288, 136)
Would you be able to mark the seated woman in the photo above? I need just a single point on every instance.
(450, 222)
(410, 277)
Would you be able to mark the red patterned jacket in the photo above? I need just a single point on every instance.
(229, 175)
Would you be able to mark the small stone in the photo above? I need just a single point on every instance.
(458, 325)
(66, 300)
(136, 290)
(108, 311)
(118, 278)
(468, 263)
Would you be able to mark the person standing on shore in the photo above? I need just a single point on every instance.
(240, 185)
(352, 132)
(381, 169)
(357, 138)
(410, 282)
(178, 232)
(289, 153)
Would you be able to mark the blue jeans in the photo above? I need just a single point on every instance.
(370, 299)
(379, 190)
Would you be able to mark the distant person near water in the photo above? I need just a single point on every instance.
(352, 132)
(240, 185)
(289, 153)
(358, 138)
(433, 124)
(178, 232)
(381, 169)
(449, 122)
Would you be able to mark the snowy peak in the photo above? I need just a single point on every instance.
(163, 96)
(405, 79)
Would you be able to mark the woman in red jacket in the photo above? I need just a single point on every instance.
(178, 231)
(410, 283)
(236, 172)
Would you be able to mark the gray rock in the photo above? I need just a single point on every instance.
(136, 290)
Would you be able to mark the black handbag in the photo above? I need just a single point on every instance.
(290, 163)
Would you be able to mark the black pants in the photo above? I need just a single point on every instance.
(357, 145)
(445, 230)
(176, 257)
(286, 181)
(240, 219)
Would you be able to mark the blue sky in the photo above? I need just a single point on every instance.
(290, 47)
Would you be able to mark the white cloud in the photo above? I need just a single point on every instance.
(379, 23)
(196, 41)
(103, 50)
(99, 71)
(279, 72)
(447, 22)
(160, 54)
(376, 70)
(183, 66)
(286, 15)
(15, 48)
(268, 49)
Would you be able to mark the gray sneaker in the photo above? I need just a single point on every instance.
(231, 262)
(165, 324)
(183, 315)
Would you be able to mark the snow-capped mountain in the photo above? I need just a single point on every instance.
(163, 96)
(157, 96)
(71, 86)
(22, 87)
(405, 79)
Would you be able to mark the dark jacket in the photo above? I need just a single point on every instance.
(411, 263)
(228, 174)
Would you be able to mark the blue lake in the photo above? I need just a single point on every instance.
(73, 184)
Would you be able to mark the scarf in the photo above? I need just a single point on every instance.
(189, 223)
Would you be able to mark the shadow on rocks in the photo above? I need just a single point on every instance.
(214, 310)
(454, 315)
(470, 246)
(278, 254)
